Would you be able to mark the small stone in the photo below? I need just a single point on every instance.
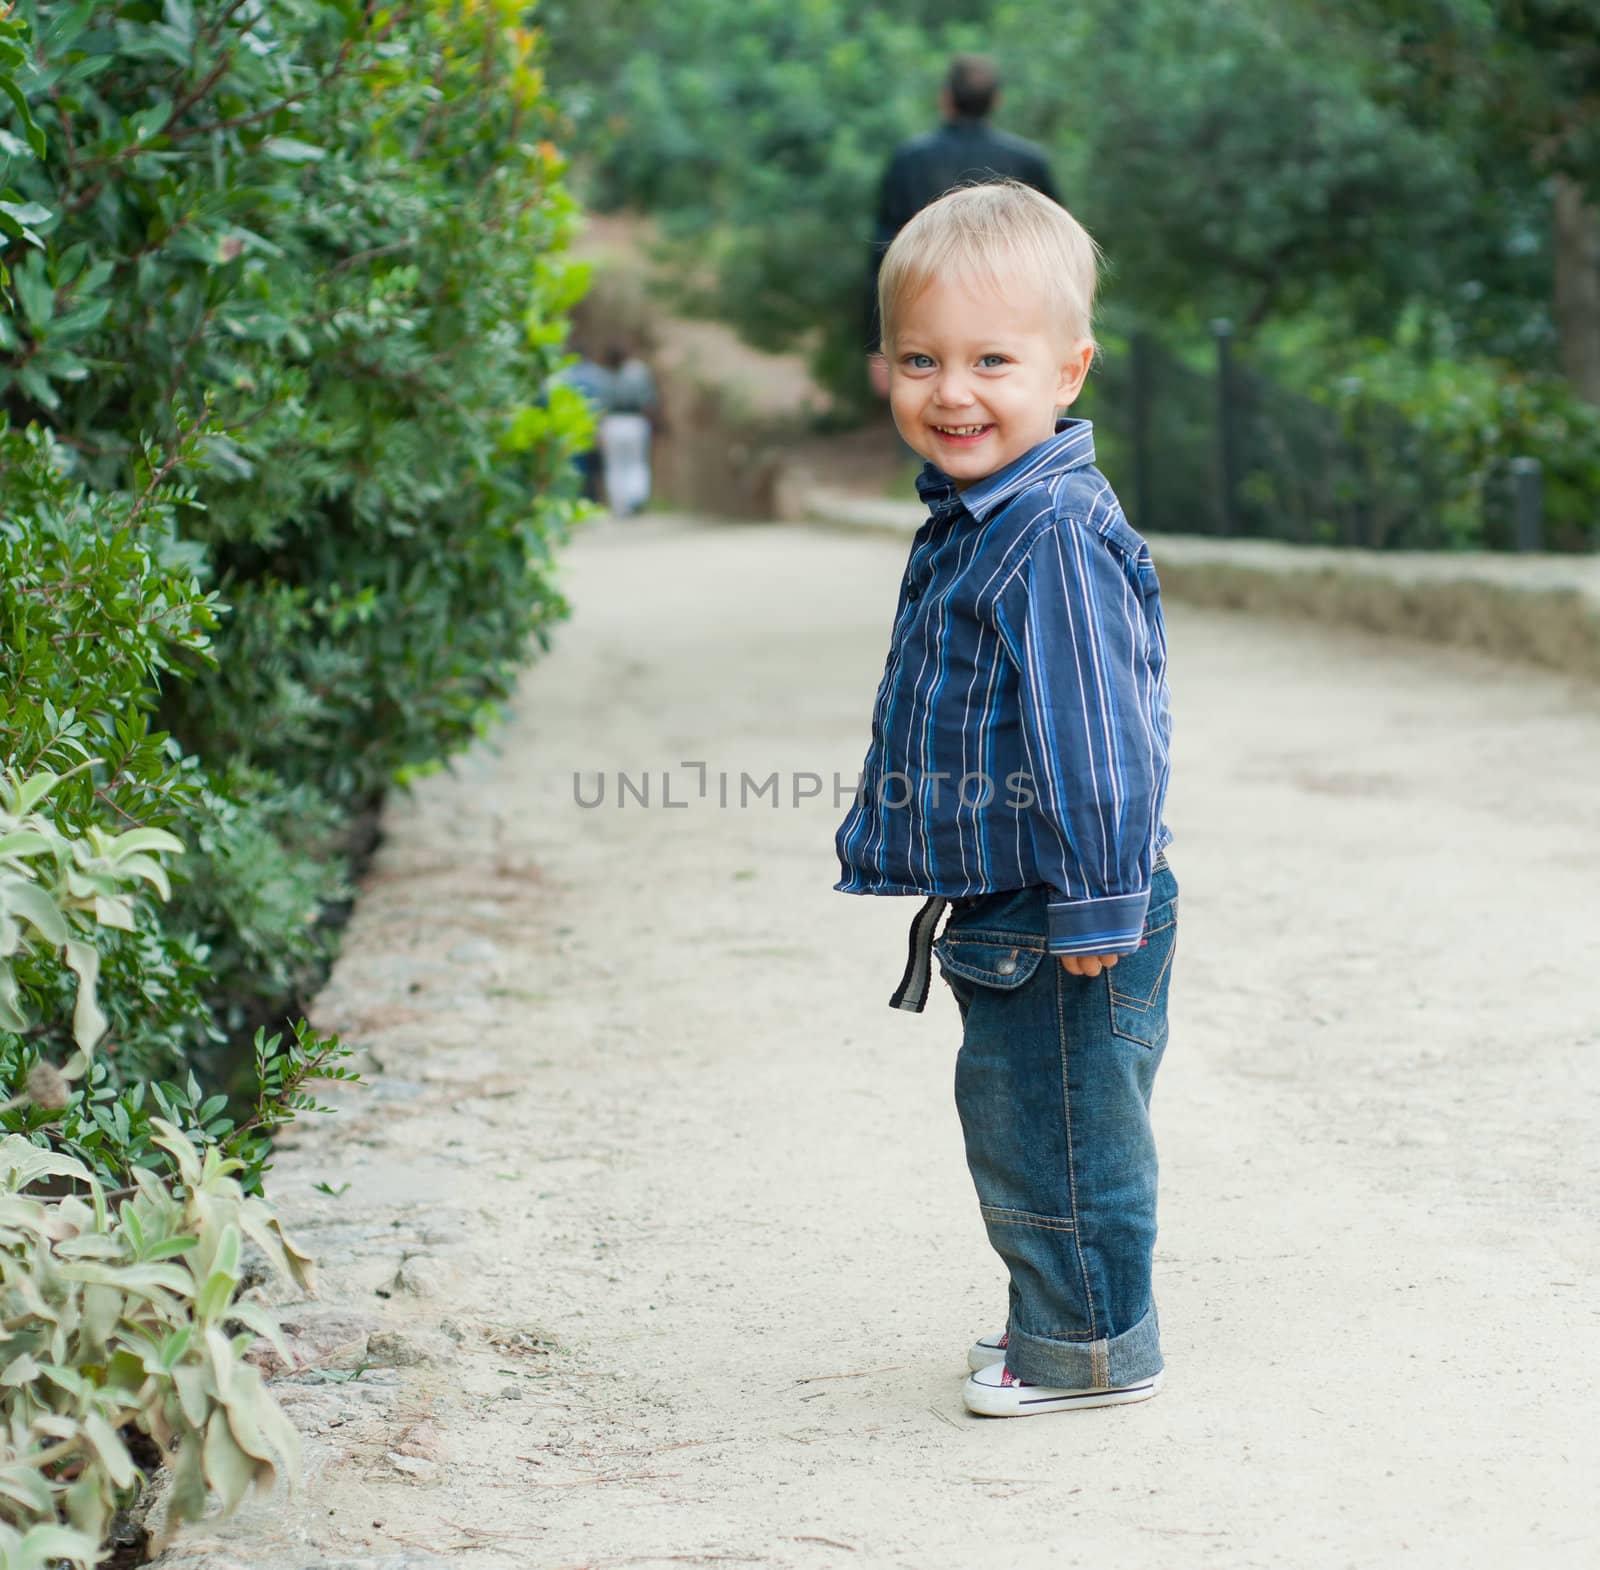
(317, 1338)
(420, 1276)
(376, 1387)
(310, 1408)
(512, 1393)
(407, 1348)
(421, 1442)
(275, 1292)
(414, 1466)
(475, 951)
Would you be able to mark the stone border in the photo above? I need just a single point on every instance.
(1541, 609)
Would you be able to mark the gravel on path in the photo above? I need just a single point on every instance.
(659, 1244)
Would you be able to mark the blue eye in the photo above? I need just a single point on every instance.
(916, 362)
(997, 359)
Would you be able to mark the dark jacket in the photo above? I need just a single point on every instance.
(923, 169)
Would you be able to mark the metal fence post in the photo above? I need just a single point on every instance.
(1527, 491)
(1227, 430)
(1142, 372)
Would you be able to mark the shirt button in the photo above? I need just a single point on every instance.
(912, 591)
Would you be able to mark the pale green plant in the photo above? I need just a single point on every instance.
(111, 1320)
(43, 1548)
(61, 886)
(130, 1319)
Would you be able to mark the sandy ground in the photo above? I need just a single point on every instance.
(688, 1202)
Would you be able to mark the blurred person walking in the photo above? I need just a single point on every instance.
(965, 150)
(625, 431)
(593, 380)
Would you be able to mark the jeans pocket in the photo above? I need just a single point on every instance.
(1139, 981)
(990, 959)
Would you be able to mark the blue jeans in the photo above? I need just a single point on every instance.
(1053, 1086)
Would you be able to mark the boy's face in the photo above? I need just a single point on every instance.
(976, 375)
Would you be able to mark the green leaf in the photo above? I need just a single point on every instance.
(45, 1544)
(114, 910)
(195, 1392)
(227, 1468)
(11, 1016)
(134, 840)
(111, 1450)
(265, 1326)
(28, 1488)
(24, 842)
(172, 1246)
(89, 1021)
(287, 150)
(102, 1308)
(35, 907)
(188, 1489)
(29, 128)
(38, 387)
(35, 293)
(146, 1280)
(21, 1370)
(24, 795)
(22, 1163)
(176, 1344)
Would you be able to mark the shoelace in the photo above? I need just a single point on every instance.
(1006, 1376)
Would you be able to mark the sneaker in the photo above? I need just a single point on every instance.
(987, 1350)
(996, 1392)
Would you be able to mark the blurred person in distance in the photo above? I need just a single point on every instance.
(632, 415)
(965, 150)
(593, 380)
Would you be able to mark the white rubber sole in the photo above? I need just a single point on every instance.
(995, 1400)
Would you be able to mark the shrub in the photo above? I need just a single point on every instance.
(347, 236)
(1408, 442)
(1441, 433)
(129, 1320)
(338, 245)
(281, 476)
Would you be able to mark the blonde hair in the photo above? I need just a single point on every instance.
(991, 235)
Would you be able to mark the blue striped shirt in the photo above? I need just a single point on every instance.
(1020, 733)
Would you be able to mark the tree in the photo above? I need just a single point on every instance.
(757, 133)
(1233, 156)
(1516, 84)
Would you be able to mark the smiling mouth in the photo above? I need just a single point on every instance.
(962, 432)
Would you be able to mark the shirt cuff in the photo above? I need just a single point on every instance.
(1112, 924)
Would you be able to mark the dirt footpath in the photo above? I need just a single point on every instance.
(658, 1229)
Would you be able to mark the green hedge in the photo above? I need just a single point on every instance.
(281, 475)
(289, 316)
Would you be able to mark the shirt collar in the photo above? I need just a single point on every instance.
(1072, 447)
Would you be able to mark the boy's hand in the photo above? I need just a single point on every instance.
(1088, 964)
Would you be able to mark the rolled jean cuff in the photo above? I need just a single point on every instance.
(1087, 1365)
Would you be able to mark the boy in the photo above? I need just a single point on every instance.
(1016, 774)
